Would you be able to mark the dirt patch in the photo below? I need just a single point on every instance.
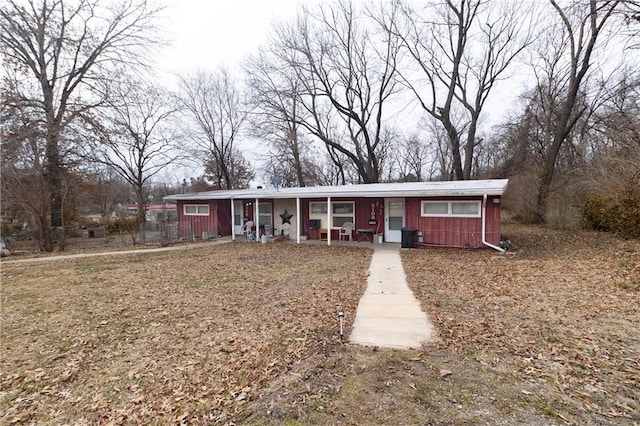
(247, 333)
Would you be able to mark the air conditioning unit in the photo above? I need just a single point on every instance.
(209, 235)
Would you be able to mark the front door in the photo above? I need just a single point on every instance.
(238, 217)
(393, 219)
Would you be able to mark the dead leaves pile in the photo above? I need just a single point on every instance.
(178, 337)
(562, 313)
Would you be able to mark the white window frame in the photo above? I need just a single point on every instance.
(198, 208)
(322, 213)
(351, 215)
(450, 208)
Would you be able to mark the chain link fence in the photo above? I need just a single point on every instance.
(158, 233)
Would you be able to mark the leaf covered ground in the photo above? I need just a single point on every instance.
(247, 334)
(560, 314)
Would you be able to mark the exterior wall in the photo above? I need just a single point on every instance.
(279, 206)
(441, 231)
(194, 226)
(366, 210)
(454, 231)
(224, 217)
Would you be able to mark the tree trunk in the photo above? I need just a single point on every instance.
(54, 188)
(141, 213)
(454, 139)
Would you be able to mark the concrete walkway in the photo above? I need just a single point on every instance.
(388, 314)
(184, 247)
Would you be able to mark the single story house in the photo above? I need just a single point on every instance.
(462, 214)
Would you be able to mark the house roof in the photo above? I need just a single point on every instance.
(372, 190)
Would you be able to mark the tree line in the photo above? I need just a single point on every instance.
(345, 92)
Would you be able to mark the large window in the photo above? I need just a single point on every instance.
(264, 214)
(451, 208)
(341, 213)
(196, 210)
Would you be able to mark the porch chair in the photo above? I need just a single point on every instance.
(346, 231)
(247, 230)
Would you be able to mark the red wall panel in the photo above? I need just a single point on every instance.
(190, 226)
(224, 217)
(453, 231)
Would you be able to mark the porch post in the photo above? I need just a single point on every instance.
(298, 221)
(328, 221)
(256, 216)
(233, 221)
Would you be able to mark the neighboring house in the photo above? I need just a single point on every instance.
(449, 214)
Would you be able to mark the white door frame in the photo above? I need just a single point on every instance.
(393, 235)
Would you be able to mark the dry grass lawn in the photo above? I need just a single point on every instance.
(247, 334)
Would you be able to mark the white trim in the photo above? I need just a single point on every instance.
(298, 230)
(233, 221)
(197, 213)
(328, 221)
(460, 188)
(450, 212)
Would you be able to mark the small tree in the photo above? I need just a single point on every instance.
(136, 137)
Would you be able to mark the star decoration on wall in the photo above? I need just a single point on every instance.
(286, 217)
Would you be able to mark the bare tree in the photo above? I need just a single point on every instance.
(411, 160)
(103, 190)
(237, 168)
(59, 48)
(582, 26)
(23, 162)
(136, 136)
(462, 49)
(217, 108)
(275, 95)
(347, 74)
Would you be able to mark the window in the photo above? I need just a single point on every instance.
(451, 208)
(341, 213)
(318, 208)
(434, 209)
(465, 209)
(264, 214)
(196, 210)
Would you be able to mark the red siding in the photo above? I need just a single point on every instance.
(443, 231)
(224, 217)
(193, 226)
(452, 231)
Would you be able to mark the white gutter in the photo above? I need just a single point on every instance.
(484, 226)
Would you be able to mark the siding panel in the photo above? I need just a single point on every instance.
(193, 226)
(454, 231)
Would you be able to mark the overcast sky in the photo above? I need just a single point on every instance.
(209, 33)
